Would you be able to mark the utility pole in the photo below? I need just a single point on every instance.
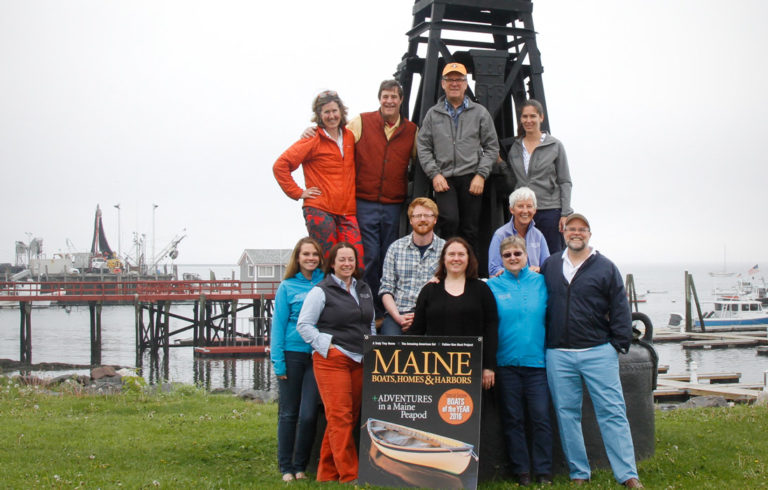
(152, 260)
(119, 248)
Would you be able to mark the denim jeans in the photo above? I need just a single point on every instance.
(598, 367)
(390, 327)
(379, 225)
(548, 223)
(299, 404)
(523, 387)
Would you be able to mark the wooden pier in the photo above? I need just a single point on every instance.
(734, 392)
(711, 340)
(213, 321)
(713, 378)
(719, 343)
(678, 387)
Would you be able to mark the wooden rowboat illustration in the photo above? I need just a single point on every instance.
(419, 447)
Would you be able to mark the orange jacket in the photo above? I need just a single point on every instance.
(324, 168)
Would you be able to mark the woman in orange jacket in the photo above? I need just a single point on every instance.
(328, 162)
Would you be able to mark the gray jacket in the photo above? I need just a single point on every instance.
(470, 148)
(548, 175)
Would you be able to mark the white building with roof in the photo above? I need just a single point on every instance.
(264, 265)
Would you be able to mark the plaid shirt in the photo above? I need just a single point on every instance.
(454, 112)
(406, 270)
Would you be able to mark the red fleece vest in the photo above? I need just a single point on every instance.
(381, 165)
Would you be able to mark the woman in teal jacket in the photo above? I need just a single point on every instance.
(521, 300)
(292, 360)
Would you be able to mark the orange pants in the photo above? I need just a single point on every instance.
(340, 382)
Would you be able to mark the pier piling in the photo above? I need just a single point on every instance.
(94, 308)
(25, 333)
(214, 320)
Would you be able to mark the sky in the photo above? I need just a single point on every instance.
(662, 106)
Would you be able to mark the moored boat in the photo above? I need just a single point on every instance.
(735, 312)
(419, 447)
(231, 351)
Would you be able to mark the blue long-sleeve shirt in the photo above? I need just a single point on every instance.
(535, 245)
(288, 301)
(522, 305)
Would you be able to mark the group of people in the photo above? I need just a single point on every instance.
(549, 317)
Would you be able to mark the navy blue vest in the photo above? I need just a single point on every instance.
(342, 317)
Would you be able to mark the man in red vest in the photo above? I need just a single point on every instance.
(384, 145)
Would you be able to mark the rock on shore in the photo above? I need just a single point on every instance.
(102, 379)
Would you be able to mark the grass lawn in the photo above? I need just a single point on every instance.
(191, 439)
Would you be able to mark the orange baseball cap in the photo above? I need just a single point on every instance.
(457, 67)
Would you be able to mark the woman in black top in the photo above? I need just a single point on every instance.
(459, 304)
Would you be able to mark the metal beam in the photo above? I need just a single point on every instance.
(502, 5)
(465, 27)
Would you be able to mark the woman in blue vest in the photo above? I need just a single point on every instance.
(336, 316)
(292, 360)
(521, 299)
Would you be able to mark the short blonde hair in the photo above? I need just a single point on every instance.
(513, 241)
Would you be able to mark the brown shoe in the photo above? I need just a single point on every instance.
(544, 479)
(523, 479)
(633, 483)
(579, 481)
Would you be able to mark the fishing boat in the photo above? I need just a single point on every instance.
(735, 312)
(419, 447)
(745, 289)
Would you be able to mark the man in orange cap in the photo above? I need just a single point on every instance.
(457, 146)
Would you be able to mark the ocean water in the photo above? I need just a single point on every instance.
(60, 335)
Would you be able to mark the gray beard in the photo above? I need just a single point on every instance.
(575, 249)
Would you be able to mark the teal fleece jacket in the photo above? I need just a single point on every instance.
(288, 301)
(522, 305)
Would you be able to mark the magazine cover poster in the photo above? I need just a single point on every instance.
(420, 422)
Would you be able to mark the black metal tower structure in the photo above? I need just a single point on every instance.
(496, 41)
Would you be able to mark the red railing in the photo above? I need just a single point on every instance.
(132, 290)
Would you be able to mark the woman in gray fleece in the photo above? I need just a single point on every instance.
(539, 162)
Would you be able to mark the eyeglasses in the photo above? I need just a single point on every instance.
(422, 216)
(571, 229)
(454, 80)
(516, 253)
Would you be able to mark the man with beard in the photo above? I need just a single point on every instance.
(522, 205)
(588, 324)
(410, 263)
